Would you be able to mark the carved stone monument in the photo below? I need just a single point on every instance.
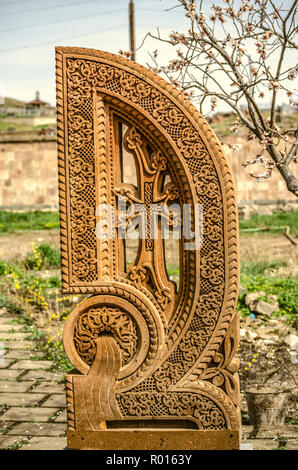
(153, 358)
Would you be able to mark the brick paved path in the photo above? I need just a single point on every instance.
(32, 400)
(32, 397)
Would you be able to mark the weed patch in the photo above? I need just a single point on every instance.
(285, 289)
(42, 256)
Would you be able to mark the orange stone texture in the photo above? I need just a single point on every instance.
(153, 359)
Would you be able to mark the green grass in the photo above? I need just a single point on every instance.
(43, 126)
(7, 303)
(50, 254)
(51, 350)
(278, 219)
(30, 220)
(173, 272)
(40, 220)
(6, 126)
(253, 279)
(54, 282)
(44, 256)
(221, 127)
(292, 421)
(2, 268)
(251, 269)
(15, 126)
(55, 352)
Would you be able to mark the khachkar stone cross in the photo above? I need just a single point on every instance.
(154, 364)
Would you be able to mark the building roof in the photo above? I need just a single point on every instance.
(36, 103)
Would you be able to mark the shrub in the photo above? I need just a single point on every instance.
(42, 256)
(7, 303)
(50, 254)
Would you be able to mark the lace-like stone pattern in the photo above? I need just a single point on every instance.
(176, 345)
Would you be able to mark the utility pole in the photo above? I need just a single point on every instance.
(132, 29)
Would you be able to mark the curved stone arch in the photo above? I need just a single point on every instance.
(187, 301)
(195, 143)
(215, 151)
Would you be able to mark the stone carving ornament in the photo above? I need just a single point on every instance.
(153, 360)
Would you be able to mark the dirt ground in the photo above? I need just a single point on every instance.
(252, 248)
(14, 246)
(267, 247)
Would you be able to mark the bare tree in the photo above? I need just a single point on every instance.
(240, 52)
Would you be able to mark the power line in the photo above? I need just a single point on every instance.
(11, 3)
(47, 8)
(62, 21)
(63, 39)
(151, 9)
(70, 37)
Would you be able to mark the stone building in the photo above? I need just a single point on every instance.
(11, 107)
(37, 107)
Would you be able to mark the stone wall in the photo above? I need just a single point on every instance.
(28, 176)
(28, 173)
(248, 188)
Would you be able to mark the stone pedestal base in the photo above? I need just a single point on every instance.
(153, 440)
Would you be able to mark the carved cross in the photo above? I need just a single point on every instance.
(148, 201)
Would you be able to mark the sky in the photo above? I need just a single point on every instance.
(30, 30)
